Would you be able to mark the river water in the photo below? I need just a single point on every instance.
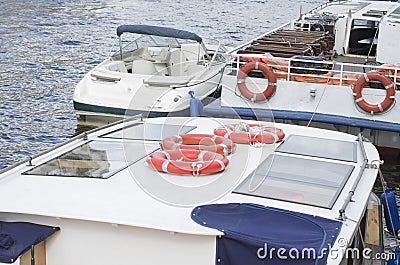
(46, 47)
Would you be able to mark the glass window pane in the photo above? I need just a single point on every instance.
(297, 180)
(95, 159)
(148, 131)
(319, 147)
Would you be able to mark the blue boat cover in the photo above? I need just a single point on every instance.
(18, 237)
(256, 234)
(158, 31)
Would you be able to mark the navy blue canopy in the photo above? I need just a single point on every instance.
(158, 31)
(255, 233)
(18, 237)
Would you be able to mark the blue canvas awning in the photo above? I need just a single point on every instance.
(253, 234)
(158, 31)
(18, 237)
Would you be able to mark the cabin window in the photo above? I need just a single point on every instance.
(319, 147)
(148, 131)
(298, 180)
(94, 159)
(363, 37)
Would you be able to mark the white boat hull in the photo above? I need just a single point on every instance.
(86, 242)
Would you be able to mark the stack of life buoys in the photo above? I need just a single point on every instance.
(192, 154)
(203, 154)
(244, 133)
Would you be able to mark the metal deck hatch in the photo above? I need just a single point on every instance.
(299, 180)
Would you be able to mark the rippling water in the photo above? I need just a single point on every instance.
(47, 47)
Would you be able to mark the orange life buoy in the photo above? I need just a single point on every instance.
(267, 71)
(188, 161)
(204, 142)
(385, 81)
(244, 133)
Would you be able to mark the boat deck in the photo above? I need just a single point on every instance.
(288, 43)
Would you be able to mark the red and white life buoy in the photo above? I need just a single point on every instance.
(188, 162)
(385, 81)
(268, 73)
(205, 142)
(244, 133)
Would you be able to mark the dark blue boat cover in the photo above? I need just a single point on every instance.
(256, 234)
(17, 237)
(158, 31)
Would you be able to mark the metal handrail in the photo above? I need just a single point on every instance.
(337, 74)
(342, 211)
(77, 137)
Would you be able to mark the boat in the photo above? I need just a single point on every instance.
(151, 74)
(334, 67)
(279, 193)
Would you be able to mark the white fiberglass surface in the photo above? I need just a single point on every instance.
(299, 180)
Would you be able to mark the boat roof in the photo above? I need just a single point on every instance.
(361, 9)
(103, 176)
(158, 31)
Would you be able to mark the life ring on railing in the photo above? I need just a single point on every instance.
(187, 161)
(244, 133)
(385, 81)
(204, 142)
(267, 71)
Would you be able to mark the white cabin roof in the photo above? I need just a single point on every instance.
(359, 9)
(135, 195)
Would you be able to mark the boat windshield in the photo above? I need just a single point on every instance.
(151, 41)
(395, 14)
(212, 47)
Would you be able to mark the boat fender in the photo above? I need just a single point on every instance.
(196, 107)
(206, 142)
(390, 210)
(267, 72)
(385, 81)
(188, 162)
(244, 133)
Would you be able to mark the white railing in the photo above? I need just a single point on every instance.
(300, 70)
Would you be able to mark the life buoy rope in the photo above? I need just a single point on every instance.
(267, 72)
(206, 142)
(244, 133)
(390, 88)
(187, 162)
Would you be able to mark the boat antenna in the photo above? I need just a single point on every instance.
(120, 47)
(300, 15)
